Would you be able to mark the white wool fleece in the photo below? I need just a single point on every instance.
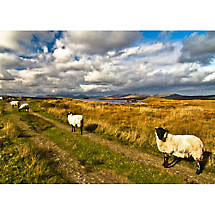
(23, 106)
(75, 120)
(182, 146)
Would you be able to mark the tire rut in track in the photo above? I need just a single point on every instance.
(183, 171)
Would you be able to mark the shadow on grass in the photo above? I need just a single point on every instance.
(174, 162)
(91, 127)
(207, 157)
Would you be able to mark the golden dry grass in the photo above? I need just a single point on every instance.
(134, 124)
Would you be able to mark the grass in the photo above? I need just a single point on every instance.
(134, 124)
(20, 160)
(22, 163)
(129, 124)
(96, 157)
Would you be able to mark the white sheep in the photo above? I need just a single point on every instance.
(75, 121)
(24, 107)
(181, 146)
(14, 103)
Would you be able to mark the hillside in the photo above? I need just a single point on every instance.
(166, 96)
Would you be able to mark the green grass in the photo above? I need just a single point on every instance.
(35, 122)
(97, 157)
(20, 160)
(146, 147)
(22, 163)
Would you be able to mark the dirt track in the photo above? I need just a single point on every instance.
(183, 171)
(68, 165)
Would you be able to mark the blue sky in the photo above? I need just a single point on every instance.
(99, 63)
(172, 35)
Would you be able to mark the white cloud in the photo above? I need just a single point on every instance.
(103, 77)
(4, 75)
(143, 49)
(96, 62)
(99, 42)
(20, 41)
(94, 88)
(62, 55)
(199, 48)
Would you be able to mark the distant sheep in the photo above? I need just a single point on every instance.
(14, 103)
(181, 146)
(24, 107)
(75, 121)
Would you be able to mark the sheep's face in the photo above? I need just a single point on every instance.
(161, 133)
(69, 113)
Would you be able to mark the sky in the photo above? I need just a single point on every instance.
(103, 63)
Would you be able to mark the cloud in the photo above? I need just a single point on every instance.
(99, 42)
(23, 42)
(94, 88)
(165, 35)
(103, 77)
(101, 63)
(11, 60)
(198, 48)
(62, 55)
(146, 67)
(6, 76)
(209, 78)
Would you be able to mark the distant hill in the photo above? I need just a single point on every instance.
(132, 96)
(165, 96)
(79, 96)
(180, 97)
(126, 97)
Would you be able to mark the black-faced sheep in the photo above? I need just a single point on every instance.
(24, 107)
(181, 146)
(75, 121)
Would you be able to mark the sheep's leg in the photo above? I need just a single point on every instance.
(175, 159)
(82, 124)
(166, 158)
(72, 128)
(199, 170)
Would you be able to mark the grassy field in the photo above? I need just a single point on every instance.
(134, 124)
(20, 160)
(125, 129)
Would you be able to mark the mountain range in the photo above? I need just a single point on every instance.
(128, 96)
(166, 96)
